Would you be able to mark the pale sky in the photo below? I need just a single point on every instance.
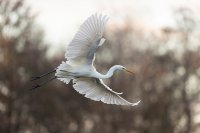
(62, 18)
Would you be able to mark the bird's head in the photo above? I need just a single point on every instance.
(120, 67)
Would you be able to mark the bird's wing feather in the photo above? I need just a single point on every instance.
(96, 90)
(86, 41)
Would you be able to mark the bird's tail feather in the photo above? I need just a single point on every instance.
(64, 66)
(62, 73)
(66, 79)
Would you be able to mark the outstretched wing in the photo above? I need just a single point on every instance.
(96, 90)
(86, 41)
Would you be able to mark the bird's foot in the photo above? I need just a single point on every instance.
(35, 86)
(35, 78)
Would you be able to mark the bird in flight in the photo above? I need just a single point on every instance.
(79, 68)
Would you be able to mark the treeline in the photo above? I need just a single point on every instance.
(166, 79)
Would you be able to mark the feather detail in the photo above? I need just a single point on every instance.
(87, 40)
(98, 91)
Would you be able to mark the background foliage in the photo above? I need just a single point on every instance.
(166, 79)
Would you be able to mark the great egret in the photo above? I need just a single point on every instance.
(80, 55)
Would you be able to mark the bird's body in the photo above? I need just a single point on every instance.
(80, 55)
(65, 70)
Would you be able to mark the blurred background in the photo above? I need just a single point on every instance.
(160, 40)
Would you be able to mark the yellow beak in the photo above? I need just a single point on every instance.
(132, 73)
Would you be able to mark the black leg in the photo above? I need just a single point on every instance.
(38, 77)
(39, 85)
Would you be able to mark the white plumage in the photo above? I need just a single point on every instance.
(80, 55)
(87, 40)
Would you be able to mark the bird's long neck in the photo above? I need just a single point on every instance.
(109, 73)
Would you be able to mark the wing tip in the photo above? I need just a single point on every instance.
(135, 104)
(119, 93)
(101, 16)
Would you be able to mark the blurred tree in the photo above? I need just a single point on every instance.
(167, 76)
(21, 54)
(166, 79)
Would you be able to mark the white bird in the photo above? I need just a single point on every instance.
(80, 55)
